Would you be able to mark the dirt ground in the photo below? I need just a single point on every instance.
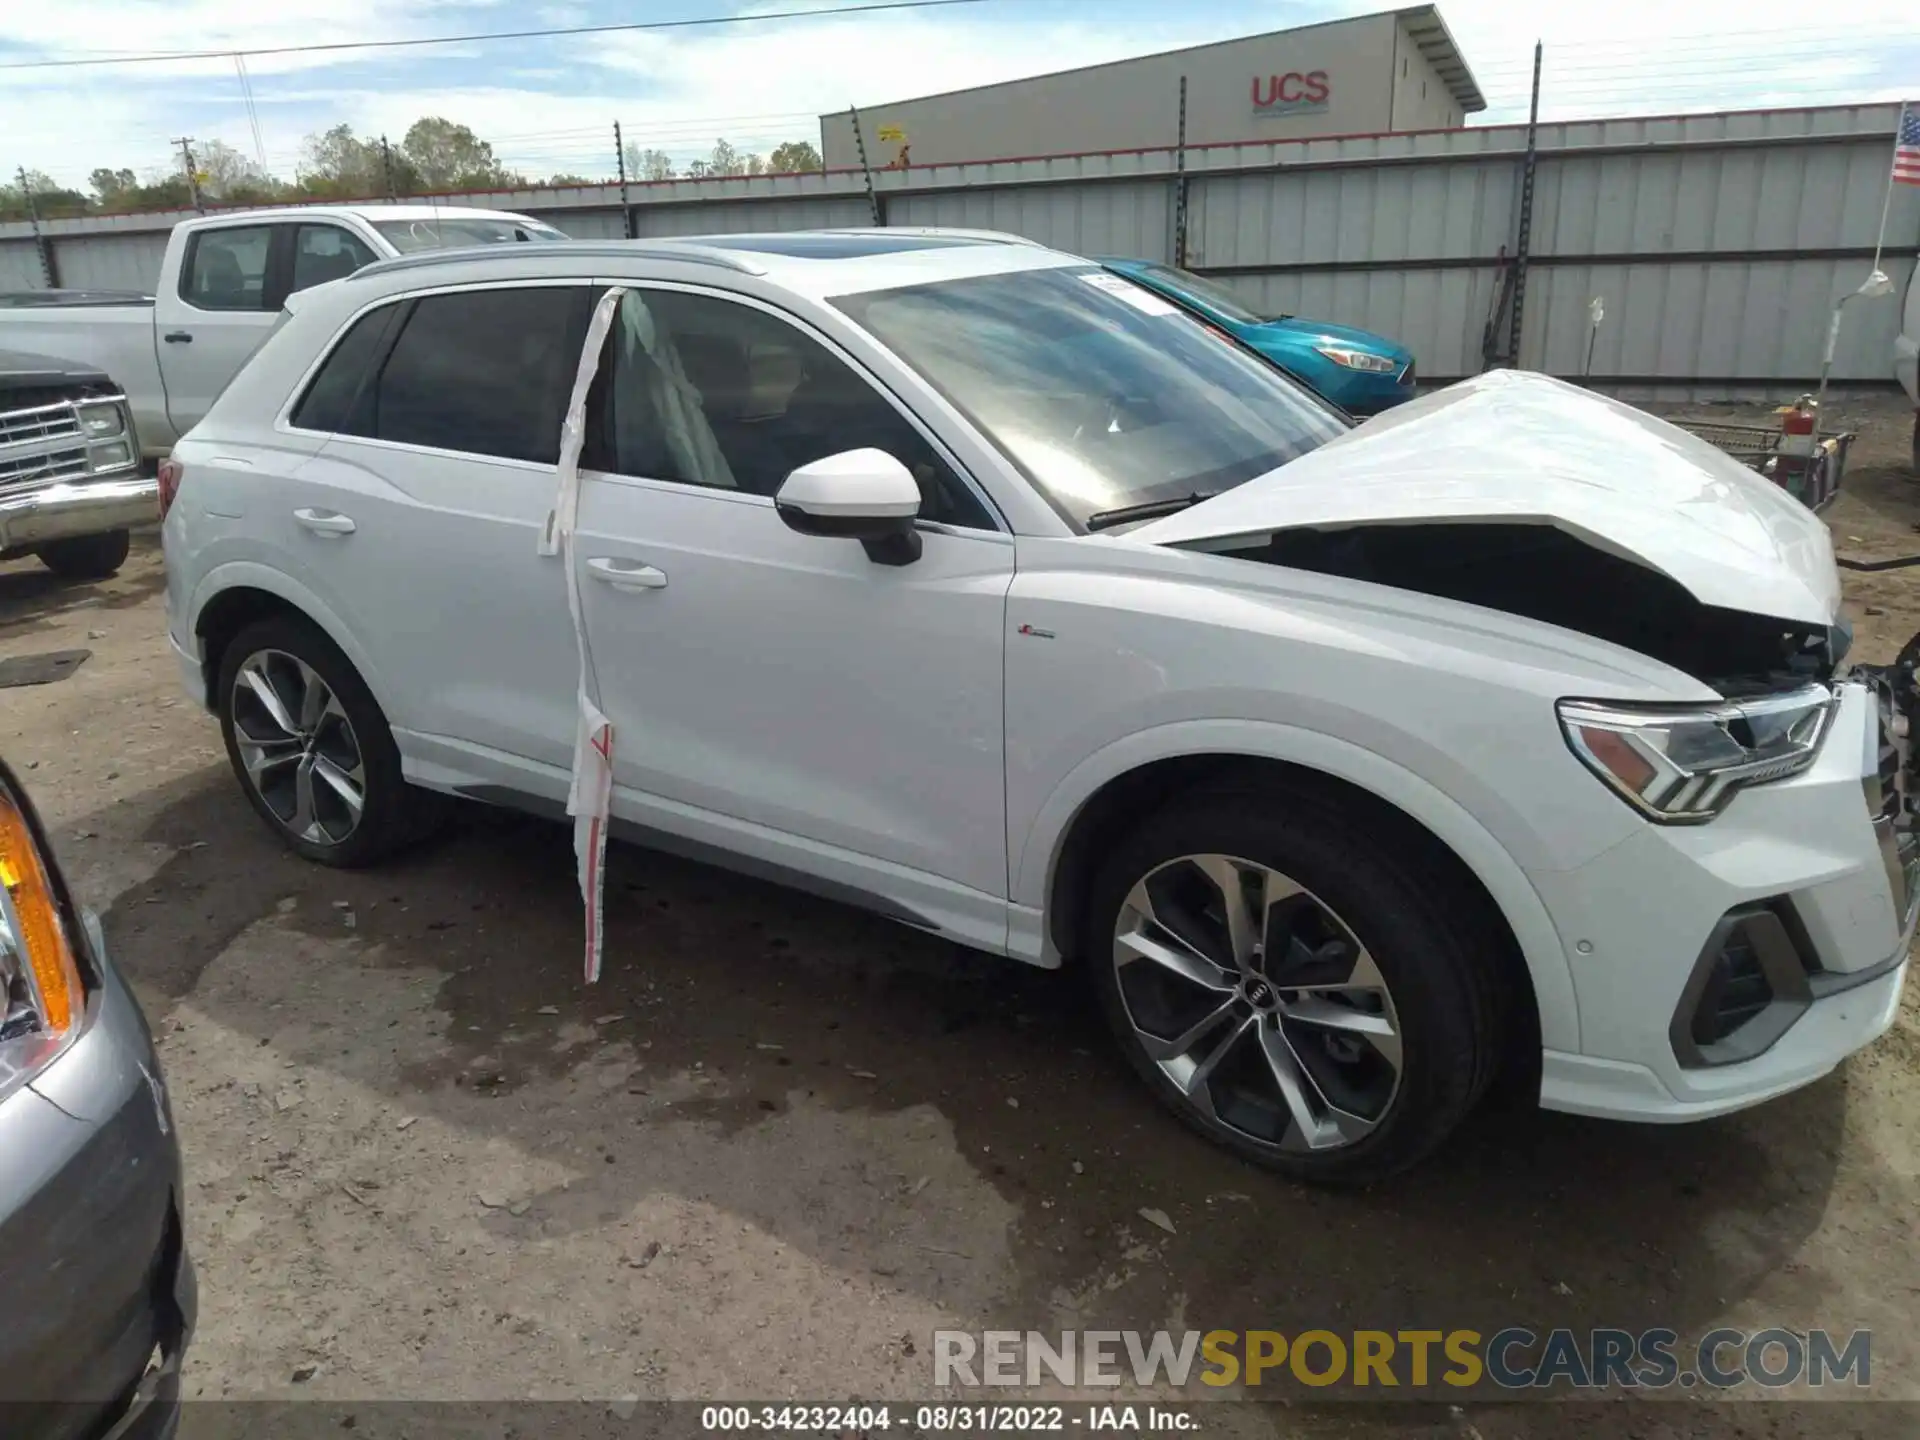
(782, 1141)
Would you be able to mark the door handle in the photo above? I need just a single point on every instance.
(325, 522)
(625, 575)
(178, 337)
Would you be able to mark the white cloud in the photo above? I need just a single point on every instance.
(549, 105)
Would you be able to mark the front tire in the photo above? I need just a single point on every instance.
(1291, 985)
(87, 557)
(312, 749)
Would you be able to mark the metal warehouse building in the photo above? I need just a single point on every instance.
(1398, 70)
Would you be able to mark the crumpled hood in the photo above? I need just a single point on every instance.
(1519, 448)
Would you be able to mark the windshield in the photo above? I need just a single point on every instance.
(448, 231)
(1104, 395)
(1211, 292)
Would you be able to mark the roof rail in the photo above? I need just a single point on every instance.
(690, 254)
(955, 232)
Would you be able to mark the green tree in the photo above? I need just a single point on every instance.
(569, 179)
(337, 164)
(447, 156)
(793, 157)
(111, 186)
(121, 192)
(51, 200)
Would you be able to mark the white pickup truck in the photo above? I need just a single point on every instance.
(222, 283)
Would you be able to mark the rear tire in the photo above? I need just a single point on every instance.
(312, 750)
(1389, 1031)
(86, 557)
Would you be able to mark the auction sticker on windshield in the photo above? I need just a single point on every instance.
(1142, 300)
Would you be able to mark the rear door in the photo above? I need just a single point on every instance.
(418, 523)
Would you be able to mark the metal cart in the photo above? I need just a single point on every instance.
(1810, 470)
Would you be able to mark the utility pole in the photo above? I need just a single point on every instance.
(620, 160)
(1180, 184)
(42, 246)
(386, 165)
(860, 143)
(1524, 240)
(185, 142)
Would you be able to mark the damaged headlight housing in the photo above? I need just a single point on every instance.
(1682, 765)
(42, 1000)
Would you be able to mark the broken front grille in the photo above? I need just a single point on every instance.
(43, 422)
(39, 446)
(1893, 828)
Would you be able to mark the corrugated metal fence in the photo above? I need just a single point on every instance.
(1718, 244)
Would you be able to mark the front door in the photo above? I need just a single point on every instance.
(778, 695)
(234, 279)
(222, 307)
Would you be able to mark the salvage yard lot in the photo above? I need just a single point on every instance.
(782, 1141)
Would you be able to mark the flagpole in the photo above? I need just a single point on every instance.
(1886, 205)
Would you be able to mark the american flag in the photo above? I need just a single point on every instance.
(1906, 150)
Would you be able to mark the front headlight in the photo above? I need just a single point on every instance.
(1682, 765)
(115, 455)
(1358, 359)
(102, 422)
(42, 1001)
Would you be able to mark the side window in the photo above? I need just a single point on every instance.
(329, 401)
(227, 269)
(484, 371)
(710, 392)
(325, 252)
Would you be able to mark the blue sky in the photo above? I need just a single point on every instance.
(548, 105)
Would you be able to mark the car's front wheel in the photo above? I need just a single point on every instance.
(1292, 984)
(312, 749)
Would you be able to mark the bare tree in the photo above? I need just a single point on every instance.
(229, 176)
(648, 164)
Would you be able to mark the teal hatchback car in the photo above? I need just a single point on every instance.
(1359, 371)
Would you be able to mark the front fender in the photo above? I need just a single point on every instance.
(1451, 823)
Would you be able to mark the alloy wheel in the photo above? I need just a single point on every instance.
(298, 747)
(1257, 1003)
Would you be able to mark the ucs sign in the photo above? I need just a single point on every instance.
(1290, 94)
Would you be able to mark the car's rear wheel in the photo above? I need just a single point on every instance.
(312, 749)
(86, 557)
(1291, 986)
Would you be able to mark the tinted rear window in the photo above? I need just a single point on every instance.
(328, 403)
(484, 371)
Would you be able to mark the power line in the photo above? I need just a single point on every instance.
(163, 56)
(253, 114)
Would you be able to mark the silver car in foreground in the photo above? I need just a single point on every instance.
(97, 1295)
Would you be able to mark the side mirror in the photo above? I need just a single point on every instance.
(863, 495)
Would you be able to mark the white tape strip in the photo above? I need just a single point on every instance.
(590, 794)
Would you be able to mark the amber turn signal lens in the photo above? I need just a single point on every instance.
(39, 932)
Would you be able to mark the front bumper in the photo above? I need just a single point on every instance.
(97, 1289)
(1641, 920)
(1362, 393)
(84, 507)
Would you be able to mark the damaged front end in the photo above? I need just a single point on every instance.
(1893, 785)
(1541, 573)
